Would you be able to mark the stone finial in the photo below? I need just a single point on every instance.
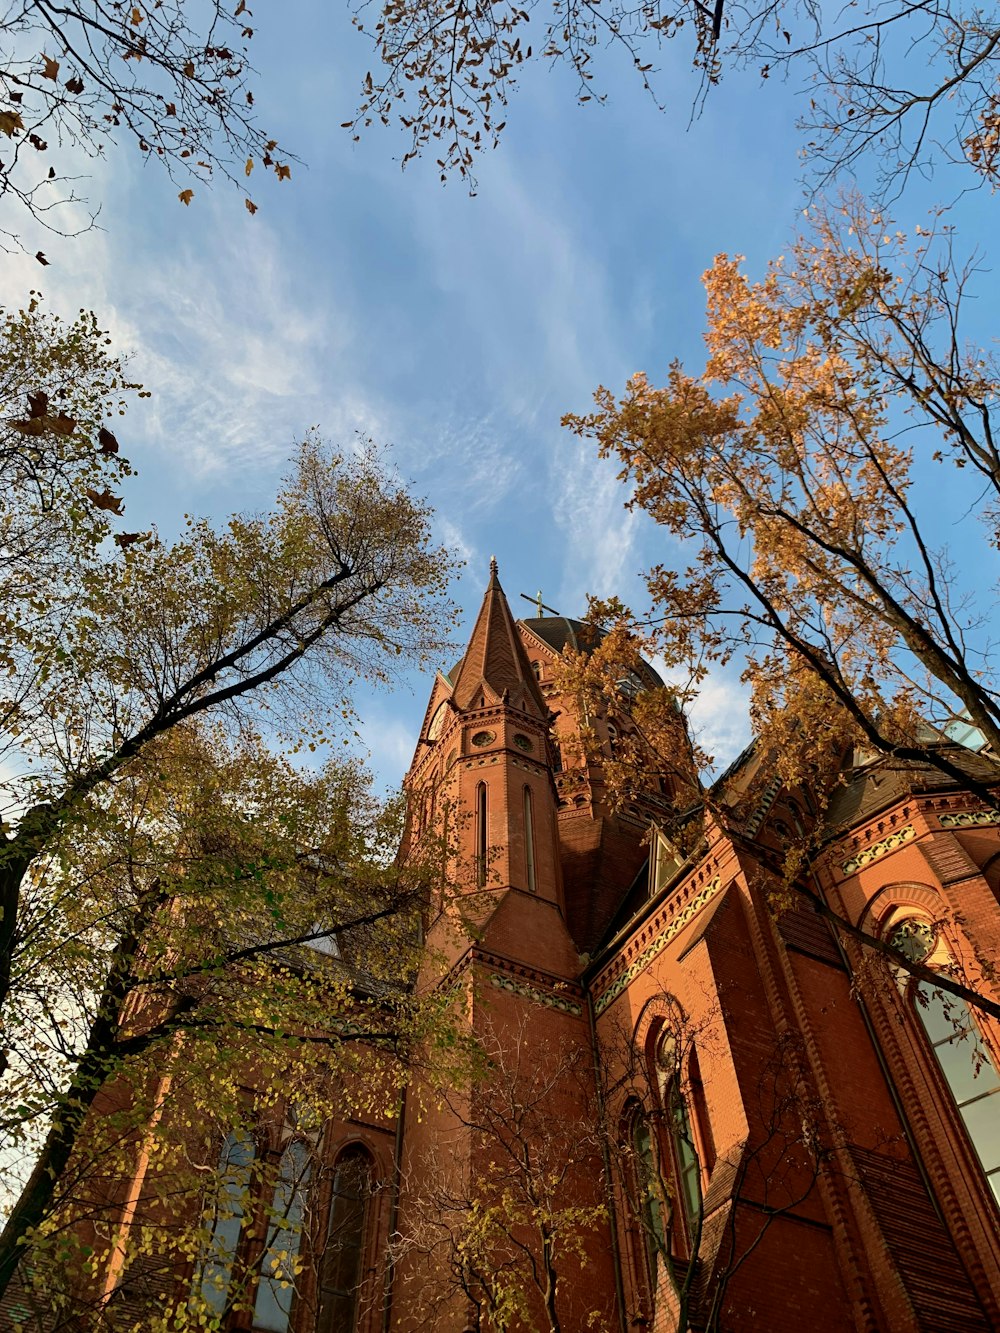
(493, 566)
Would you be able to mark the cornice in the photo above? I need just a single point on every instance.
(649, 940)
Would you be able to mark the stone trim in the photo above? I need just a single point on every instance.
(970, 819)
(546, 998)
(673, 928)
(879, 849)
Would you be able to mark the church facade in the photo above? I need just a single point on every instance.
(693, 1112)
(792, 1133)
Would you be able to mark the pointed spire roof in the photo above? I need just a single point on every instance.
(495, 658)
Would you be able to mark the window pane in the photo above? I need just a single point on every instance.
(982, 1120)
(225, 1220)
(969, 1070)
(341, 1271)
(967, 1067)
(276, 1288)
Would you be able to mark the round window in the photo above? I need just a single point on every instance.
(522, 742)
(483, 738)
(913, 938)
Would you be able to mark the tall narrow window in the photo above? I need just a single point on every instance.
(529, 840)
(341, 1271)
(699, 1105)
(686, 1168)
(224, 1218)
(685, 1157)
(970, 1072)
(649, 1205)
(482, 834)
(276, 1288)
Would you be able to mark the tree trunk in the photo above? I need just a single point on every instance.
(95, 1066)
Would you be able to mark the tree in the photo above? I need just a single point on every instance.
(449, 71)
(133, 674)
(248, 941)
(174, 78)
(501, 1216)
(787, 466)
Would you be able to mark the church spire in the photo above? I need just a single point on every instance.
(495, 661)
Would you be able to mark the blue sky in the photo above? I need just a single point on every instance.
(455, 329)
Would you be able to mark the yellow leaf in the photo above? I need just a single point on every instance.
(186, 196)
(249, 166)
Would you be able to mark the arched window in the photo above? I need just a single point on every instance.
(686, 1168)
(536, 670)
(341, 1269)
(224, 1217)
(969, 1071)
(699, 1107)
(650, 1204)
(612, 738)
(482, 834)
(529, 840)
(276, 1288)
(964, 1059)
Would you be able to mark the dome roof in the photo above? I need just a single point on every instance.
(558, 631)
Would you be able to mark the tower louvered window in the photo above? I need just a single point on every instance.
(482, 833)
(529, 839)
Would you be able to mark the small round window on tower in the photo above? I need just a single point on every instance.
(483, 738)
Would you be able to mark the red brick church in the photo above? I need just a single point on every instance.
(797, 1138)
(692, 1113)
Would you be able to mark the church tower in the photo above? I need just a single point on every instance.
(484, 778)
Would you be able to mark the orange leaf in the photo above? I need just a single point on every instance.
(249, 166)
(186, 196)
(251, 206)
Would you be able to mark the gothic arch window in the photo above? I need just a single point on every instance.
(225, 1213)
(529, 839)
(684, 1163)
(644, 1193)
(482, 833)
(342, 1265)
(699, 1108)
(278, 1269)
(963, 1057)
(612, 739)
